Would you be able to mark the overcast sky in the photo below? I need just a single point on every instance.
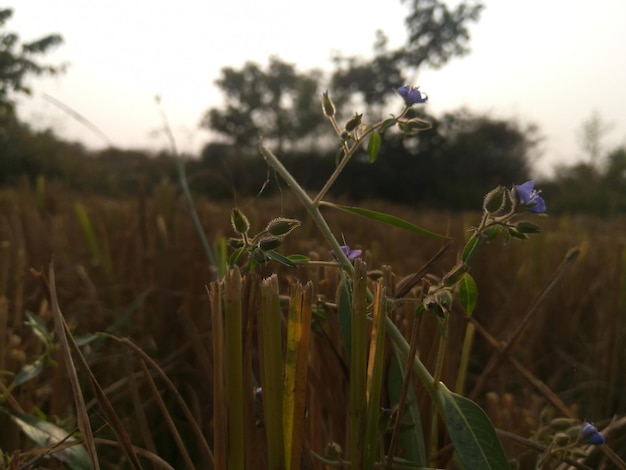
(546, 62)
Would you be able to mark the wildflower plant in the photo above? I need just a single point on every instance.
(475, 440)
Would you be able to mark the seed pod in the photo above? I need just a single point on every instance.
(281, 226)
(239, 221)
(327, 105)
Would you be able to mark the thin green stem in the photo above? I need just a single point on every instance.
(309, 205)
(349, 153)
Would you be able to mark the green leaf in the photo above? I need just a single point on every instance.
(276, 256)
(373, 146)
(28, 372)
(474, 437)
(387, 123)
(299, 259)
(39, 328)
(471, 248)
(235, 256)
(386, 219)
(468, 294)
(412, 438)
(46, 434)
(344, 308)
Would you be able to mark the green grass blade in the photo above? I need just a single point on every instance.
(182, 178)
(386, 219)
(358, 362)
(90, 237)
(375, 377)
(233, 312)
(474, 437)
(271, 360)
(344, 310)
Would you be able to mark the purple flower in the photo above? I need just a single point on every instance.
(591, 435)
(350, 254)
(530, 197)
(412, 95)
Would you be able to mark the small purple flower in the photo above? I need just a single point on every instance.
(350, 254)
(591, 435)
(412, 95)
(530, 197)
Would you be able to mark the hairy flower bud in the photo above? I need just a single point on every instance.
(495, 200)
(281, 226)
(270, 243)
(327, 105)
(259, 256)
(413, 126)
(527, 227)
(235, 242)
(239, 221)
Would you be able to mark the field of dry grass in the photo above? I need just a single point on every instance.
(136, 269)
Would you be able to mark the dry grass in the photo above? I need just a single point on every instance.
(141, 273)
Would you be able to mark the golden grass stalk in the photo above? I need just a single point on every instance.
(82, 416)
(375, 377)
(296, 369)
(271, 360)
(66, 341)
(220, 447)
(200, 440)
(233, 295)
(168, 418)
(358, 362)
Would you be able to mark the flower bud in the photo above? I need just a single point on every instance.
(527, 227)
(259, 256)
(327, 105)
(270, 243)
(413, 126)
(354, 122)
(281, 226)
(235, 243)
(239, 221)
(495, 200)
(561, 439)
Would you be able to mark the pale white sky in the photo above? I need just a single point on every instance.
(543, 61)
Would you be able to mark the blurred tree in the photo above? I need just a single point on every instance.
(436, 33)
(18, 62)
(479, 153)
(277, 103)
(591, 136)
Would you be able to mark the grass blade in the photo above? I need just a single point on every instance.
(233, 295)
(296, 369)
(219, 395)
(375, 377)
(270, 345)
(386, 219)
(82, 417)
(358, 363)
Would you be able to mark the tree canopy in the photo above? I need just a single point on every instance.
(19, 61)
(277, 103)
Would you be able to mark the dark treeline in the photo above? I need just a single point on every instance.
(450, 166)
